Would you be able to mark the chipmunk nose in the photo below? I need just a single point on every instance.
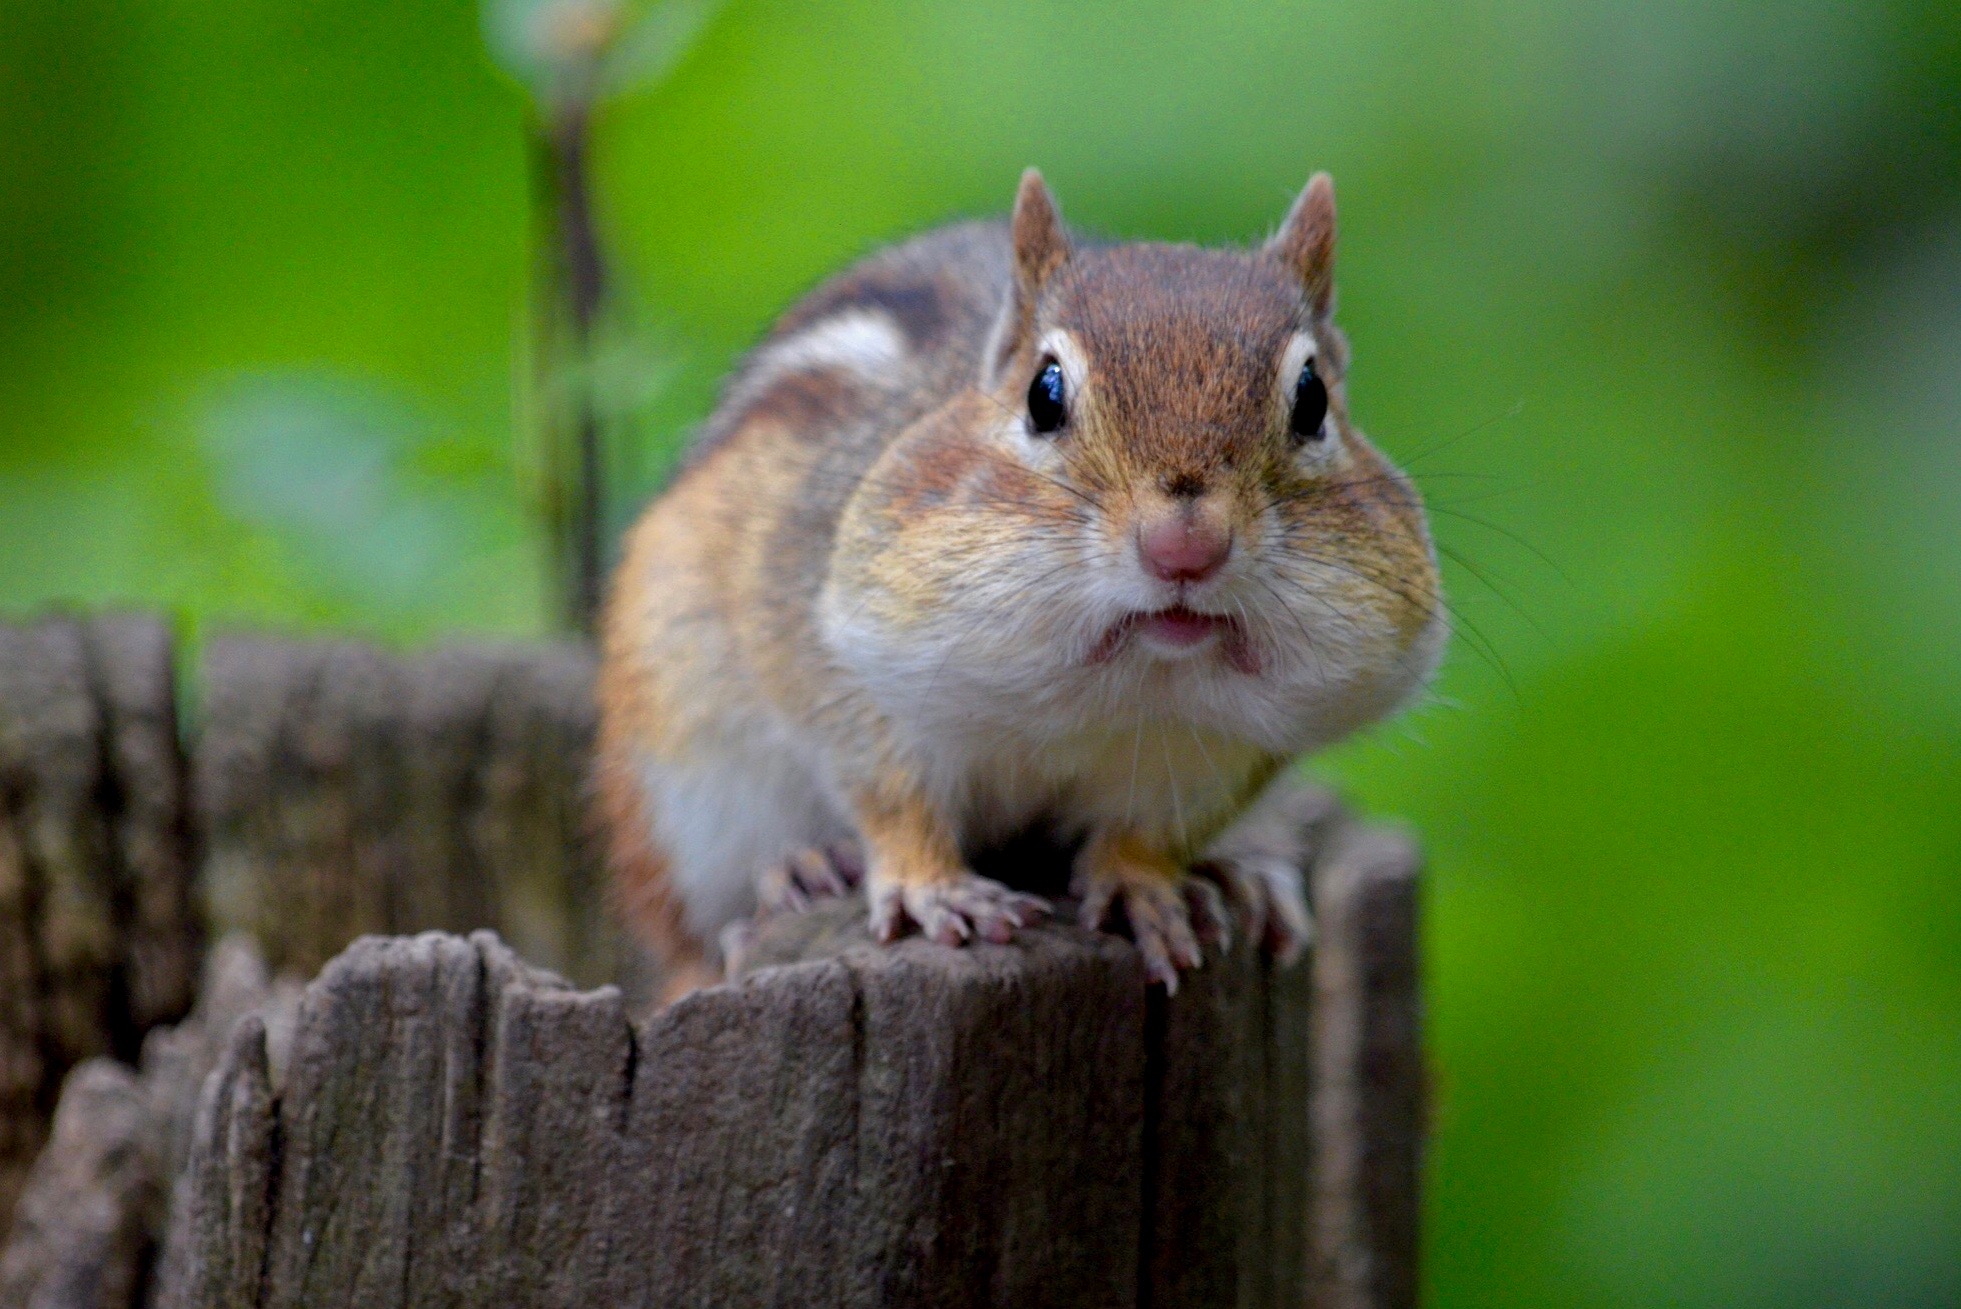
(1182, 548)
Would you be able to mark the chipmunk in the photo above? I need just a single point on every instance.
(1002, 529)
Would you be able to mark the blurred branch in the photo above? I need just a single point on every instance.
(571, 55)
(569, 271)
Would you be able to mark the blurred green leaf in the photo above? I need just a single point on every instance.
(328, 467)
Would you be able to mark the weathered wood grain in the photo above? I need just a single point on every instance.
(98, 941)
(1229, 1145)
(343, 790)
(221, 1208)
(1368, 1093)
(84, 1233)
(904, 1126)
(845, 1124)
(93, 1214)
(142, 795)
(891, 1126)
(1221, 1181)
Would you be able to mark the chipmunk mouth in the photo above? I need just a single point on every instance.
(1178, 633)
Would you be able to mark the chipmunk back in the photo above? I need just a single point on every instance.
(999, 530)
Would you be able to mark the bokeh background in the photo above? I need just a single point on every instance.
(1660, 300)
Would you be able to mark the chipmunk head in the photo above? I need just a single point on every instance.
(1171, 491)
(1189, 404)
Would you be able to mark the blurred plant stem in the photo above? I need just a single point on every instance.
(571, 56)
(568, 294)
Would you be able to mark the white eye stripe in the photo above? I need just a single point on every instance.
(1294, 358)
(1299, 351)
(1040, 449)
(1075, 364)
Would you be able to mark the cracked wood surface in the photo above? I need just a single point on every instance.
(898, 1127)
(845, 1124)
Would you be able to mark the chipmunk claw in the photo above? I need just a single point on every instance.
(954, 911)
(809, 875)
(1210, 917)
(1270, 893)
(1172, 920)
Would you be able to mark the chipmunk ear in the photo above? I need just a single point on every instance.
(1305, 242)
(1041, 245)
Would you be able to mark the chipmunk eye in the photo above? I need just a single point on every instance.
(1310, 406)
(1048, 409)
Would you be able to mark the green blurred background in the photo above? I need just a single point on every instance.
(1661, 302)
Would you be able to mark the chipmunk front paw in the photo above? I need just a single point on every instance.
(811, 874)
(1172, 914)
(1269, 891)
(952, 910)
